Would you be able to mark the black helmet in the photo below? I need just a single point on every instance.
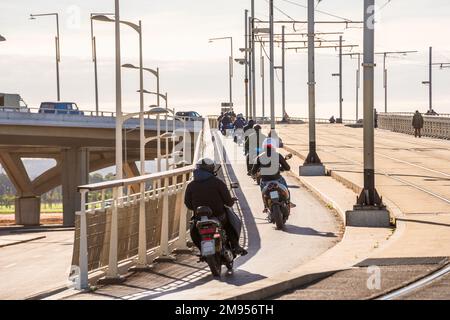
(206, 164)
(257, 127)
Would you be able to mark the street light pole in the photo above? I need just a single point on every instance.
(250, 76)
(340, 81)
(283, 67)
(230, 65)
(57, 46)
(312, 166)
(263, 82)
(252, 35)
(246, 67)
(358, 85)
(94, 59)
(272, 70)
(369, 210)
(431, 80)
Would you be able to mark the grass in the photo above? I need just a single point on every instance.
(45, 208)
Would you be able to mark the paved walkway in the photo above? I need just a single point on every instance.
(311, 231)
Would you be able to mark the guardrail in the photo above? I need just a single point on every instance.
(125, 230)
(434, 126)
(293, 120)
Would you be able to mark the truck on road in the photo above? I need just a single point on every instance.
(12, 102)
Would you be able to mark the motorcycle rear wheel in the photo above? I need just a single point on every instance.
(277, 215)
(215, 265)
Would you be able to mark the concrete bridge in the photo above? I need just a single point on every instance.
(313, 259)
(78, 144)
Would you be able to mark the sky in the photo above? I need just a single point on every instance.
(194, 72)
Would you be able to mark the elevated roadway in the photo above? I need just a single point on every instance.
(78, 144)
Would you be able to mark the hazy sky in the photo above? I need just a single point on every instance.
(194, 72)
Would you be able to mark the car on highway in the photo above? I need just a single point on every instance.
(70, 108)
(189, 115)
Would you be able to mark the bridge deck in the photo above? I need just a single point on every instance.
(413, 173)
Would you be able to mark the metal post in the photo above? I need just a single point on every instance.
(182, 233)
(272, 70)
(94, 59)
(113, 272)
(142, 248)
(369, 196)
(313, 165)
(58, 58)
(250, 58)
(83, 283)
(157, 87)
(431, 79)
(119, 121)
(158, 151)
(252, 34)
(263, 82)
(246, 67)
(358, 85)
(283, 67)
(385, 83)
(340, 80)
(231, 71)
(164, 243)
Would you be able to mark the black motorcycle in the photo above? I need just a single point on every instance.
(277, 201)
(215, 248)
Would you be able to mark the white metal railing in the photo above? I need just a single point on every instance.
(164, 186)
(434, 126)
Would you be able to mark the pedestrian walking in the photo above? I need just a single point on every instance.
(417, 124)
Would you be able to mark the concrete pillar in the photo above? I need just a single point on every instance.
(28, 210)
(75, 172)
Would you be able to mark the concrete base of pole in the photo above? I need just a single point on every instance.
(139, 268)
(165, 259)
(109, 281)
(312, 170)
(339, 120)
(368, 217)
(183, 251)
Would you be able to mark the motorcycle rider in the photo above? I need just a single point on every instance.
(254, 139)
(225, 123)
(209, 191)
(269, 163)
(239, 125)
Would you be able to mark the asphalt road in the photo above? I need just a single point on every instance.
(32, 267)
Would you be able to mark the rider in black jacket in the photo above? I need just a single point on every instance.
(206, 190)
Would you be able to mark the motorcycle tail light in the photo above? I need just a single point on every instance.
(207, 231)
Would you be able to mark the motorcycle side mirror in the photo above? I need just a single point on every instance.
(234, 185)
(289, 156)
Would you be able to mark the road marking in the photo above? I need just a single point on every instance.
(10, 266)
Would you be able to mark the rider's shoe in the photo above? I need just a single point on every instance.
(240, 251)
(293, 205)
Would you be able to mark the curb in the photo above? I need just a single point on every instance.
(21, 242)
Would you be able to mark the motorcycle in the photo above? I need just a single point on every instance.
(276, 200)
(238, 136)
(215, 249)
(227, 130)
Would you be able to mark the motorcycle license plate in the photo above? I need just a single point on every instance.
(274, 195)
(208, 248)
